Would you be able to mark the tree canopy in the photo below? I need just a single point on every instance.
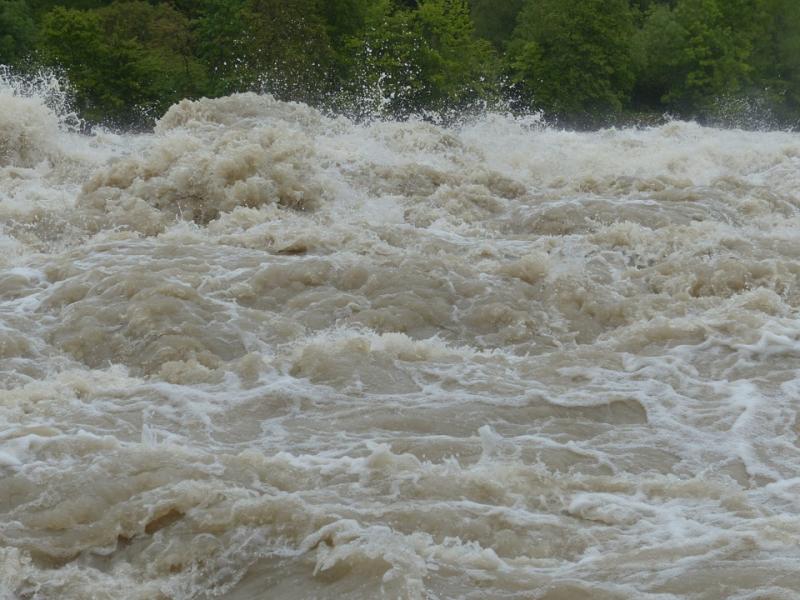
(573, 57)
(583, 61)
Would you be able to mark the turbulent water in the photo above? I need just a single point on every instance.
(265, 353)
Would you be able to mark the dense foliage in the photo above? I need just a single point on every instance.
(583, 61)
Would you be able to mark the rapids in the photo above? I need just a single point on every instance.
(265, 353)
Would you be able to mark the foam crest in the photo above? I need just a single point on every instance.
(208, 158)
(28, 126)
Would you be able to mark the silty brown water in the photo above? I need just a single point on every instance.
(264, 353)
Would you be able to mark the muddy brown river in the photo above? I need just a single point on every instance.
(264, 353)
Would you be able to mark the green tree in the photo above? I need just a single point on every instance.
(283, 47)
(584, 60)
(165, 45)
(715, 60)
(17, 31)
(573, 57)
(776, 57)
(293, 50)
(658, 58)
(124, 60)
(427, 58)
(495, 21)
(346, 18)
(698, 52)
(224, 45)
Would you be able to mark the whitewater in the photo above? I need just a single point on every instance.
(261, 352)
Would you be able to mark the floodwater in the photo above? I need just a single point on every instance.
(264, 353)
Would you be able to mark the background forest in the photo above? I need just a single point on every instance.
(582, 62)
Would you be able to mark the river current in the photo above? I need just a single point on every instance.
(261, 352)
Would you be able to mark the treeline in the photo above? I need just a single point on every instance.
(581, 61)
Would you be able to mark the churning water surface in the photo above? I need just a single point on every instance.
(265, 353)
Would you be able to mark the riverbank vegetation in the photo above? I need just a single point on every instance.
(581, 62)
